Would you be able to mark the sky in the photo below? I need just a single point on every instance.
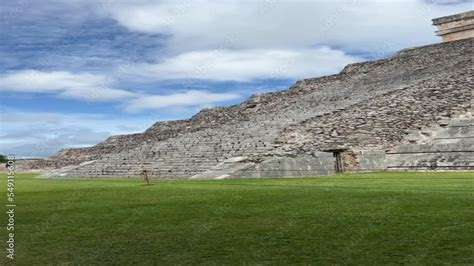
(73, 73)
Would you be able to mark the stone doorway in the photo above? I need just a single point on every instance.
(338, 165)
(339, 159)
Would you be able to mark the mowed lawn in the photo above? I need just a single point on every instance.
(377, 218)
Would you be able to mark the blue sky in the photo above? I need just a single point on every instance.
(73, 73)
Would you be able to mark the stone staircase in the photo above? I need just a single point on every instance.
(369, 105)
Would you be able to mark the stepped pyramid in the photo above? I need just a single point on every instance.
(411, 111)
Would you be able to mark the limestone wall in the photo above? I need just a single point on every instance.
(449, 146)
(299, 166)
(380, 122)
(368, 106)
(371, 161)
(276, 166)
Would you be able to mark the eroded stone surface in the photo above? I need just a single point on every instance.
(445, 147)
(368, 106)
(455, 27)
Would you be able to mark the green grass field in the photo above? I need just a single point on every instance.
(378, 218)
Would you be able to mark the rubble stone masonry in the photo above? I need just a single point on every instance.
(368, 109)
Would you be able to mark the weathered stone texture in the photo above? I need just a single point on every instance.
(368, 106)
(446, 147)
(371, 161)
(455, 27)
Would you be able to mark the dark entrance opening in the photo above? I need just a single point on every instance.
(338, 163)
(339, 167)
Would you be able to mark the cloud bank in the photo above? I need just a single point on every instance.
(188, 98)
(81, 86)
(246, 65)
(357, 25)
(89, 87)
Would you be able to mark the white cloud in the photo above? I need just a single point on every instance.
(37, 134)
(82, 86)
(37, 81)
(247, 65)
(88, 87)
(188, 98)
(358, 25)
(97, 94)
